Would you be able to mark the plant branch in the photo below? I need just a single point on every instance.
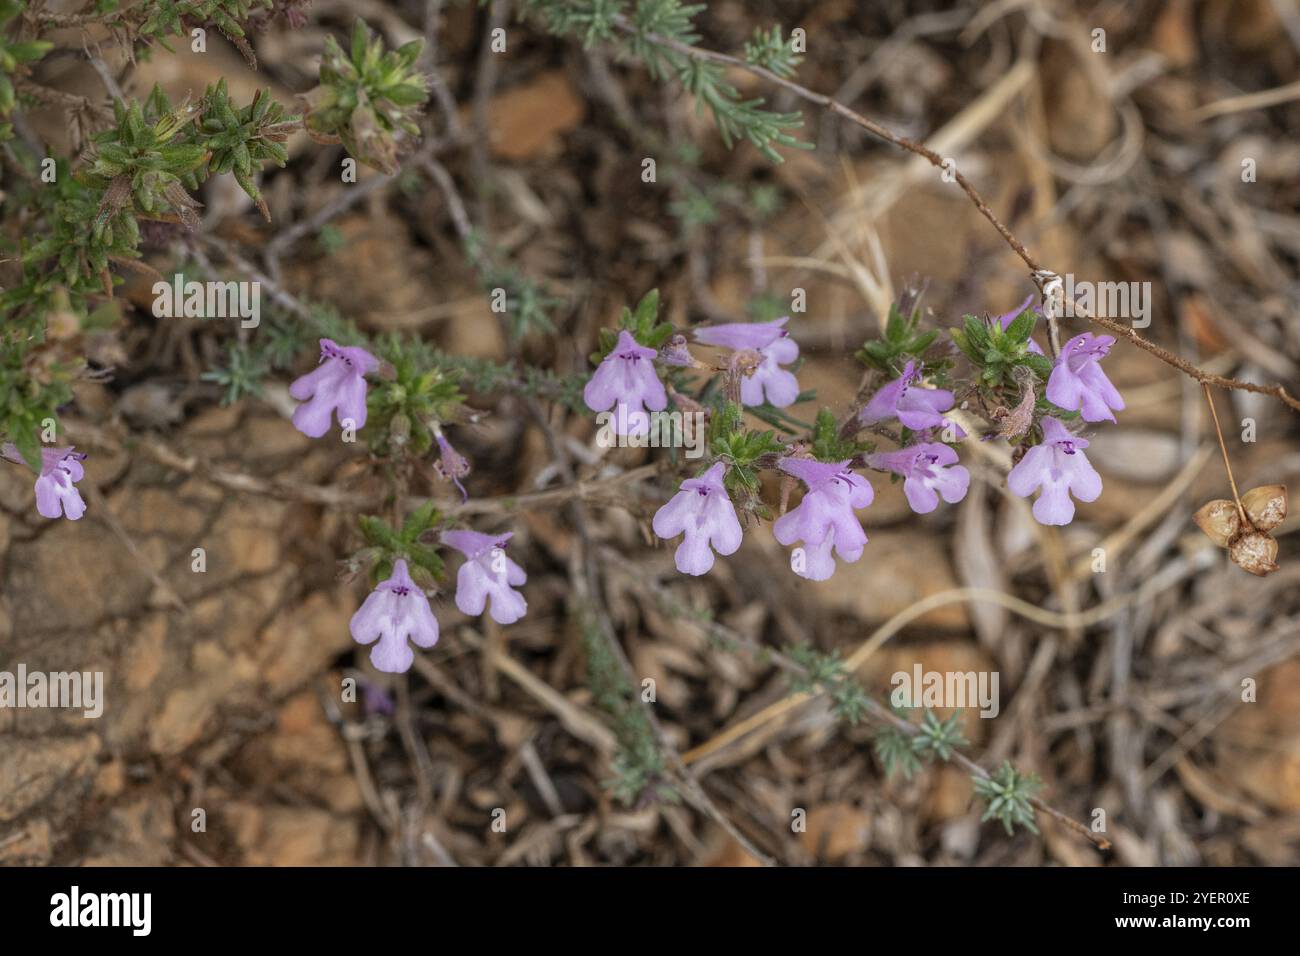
(879, 713)
(1218, 431)
(1040, 274)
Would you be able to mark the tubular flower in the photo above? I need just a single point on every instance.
(395, 612)
(337, 383)
(627, 380)
(917, 408)
(1059, 467)
(1078, 384)
(930, 471)
(769, 381)
(703, 512)
(487, 573)
(824, 520)
(56, 490)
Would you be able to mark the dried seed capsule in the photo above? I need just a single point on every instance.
(1255, 552)
(1220, 520)
(1266, 506)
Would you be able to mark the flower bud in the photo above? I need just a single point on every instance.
(676, 353)
(399, 430)
(1266, 506)
(451, 465)
(1219, 520)
(1255, 552)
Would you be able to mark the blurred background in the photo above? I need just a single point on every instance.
(1168, 156)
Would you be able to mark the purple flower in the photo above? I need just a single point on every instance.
(917, 408)
(824, 519)
(1006, 318)
(772, 342)
(1059, 467)
(627, 379)
(451, 465)
(338, 382)
(487, 573)
(930, 470)
(393, 612)
(1077, 382)
(702, 511)
(56, 492)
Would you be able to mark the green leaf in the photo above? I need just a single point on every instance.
(378, 534)
(1022, 326)
(28, 446)
(977, 335)
(657, 335)
(827, 445)
(1041, 365)
(922, 342)
(419, 521)
(608, 339)
(426, 557)
(647, 312)
(360, 34)
(895, 326)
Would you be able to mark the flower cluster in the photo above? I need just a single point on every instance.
(397, 613)
(1057, 468)
(644, 365)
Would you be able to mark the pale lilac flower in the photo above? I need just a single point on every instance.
(338, 382)
(1007, 318)
(451, 465)
(930, 470)
(56, 491)
(487, 573)
(703, 512)
(1078, 384)
(395, 611)
(627, 379)
(917, 408)
(825, 518)
(769, 381)
(1059, 467)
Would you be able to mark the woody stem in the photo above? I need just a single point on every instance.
(1214, 415)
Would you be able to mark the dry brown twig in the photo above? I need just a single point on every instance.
(600, 491)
